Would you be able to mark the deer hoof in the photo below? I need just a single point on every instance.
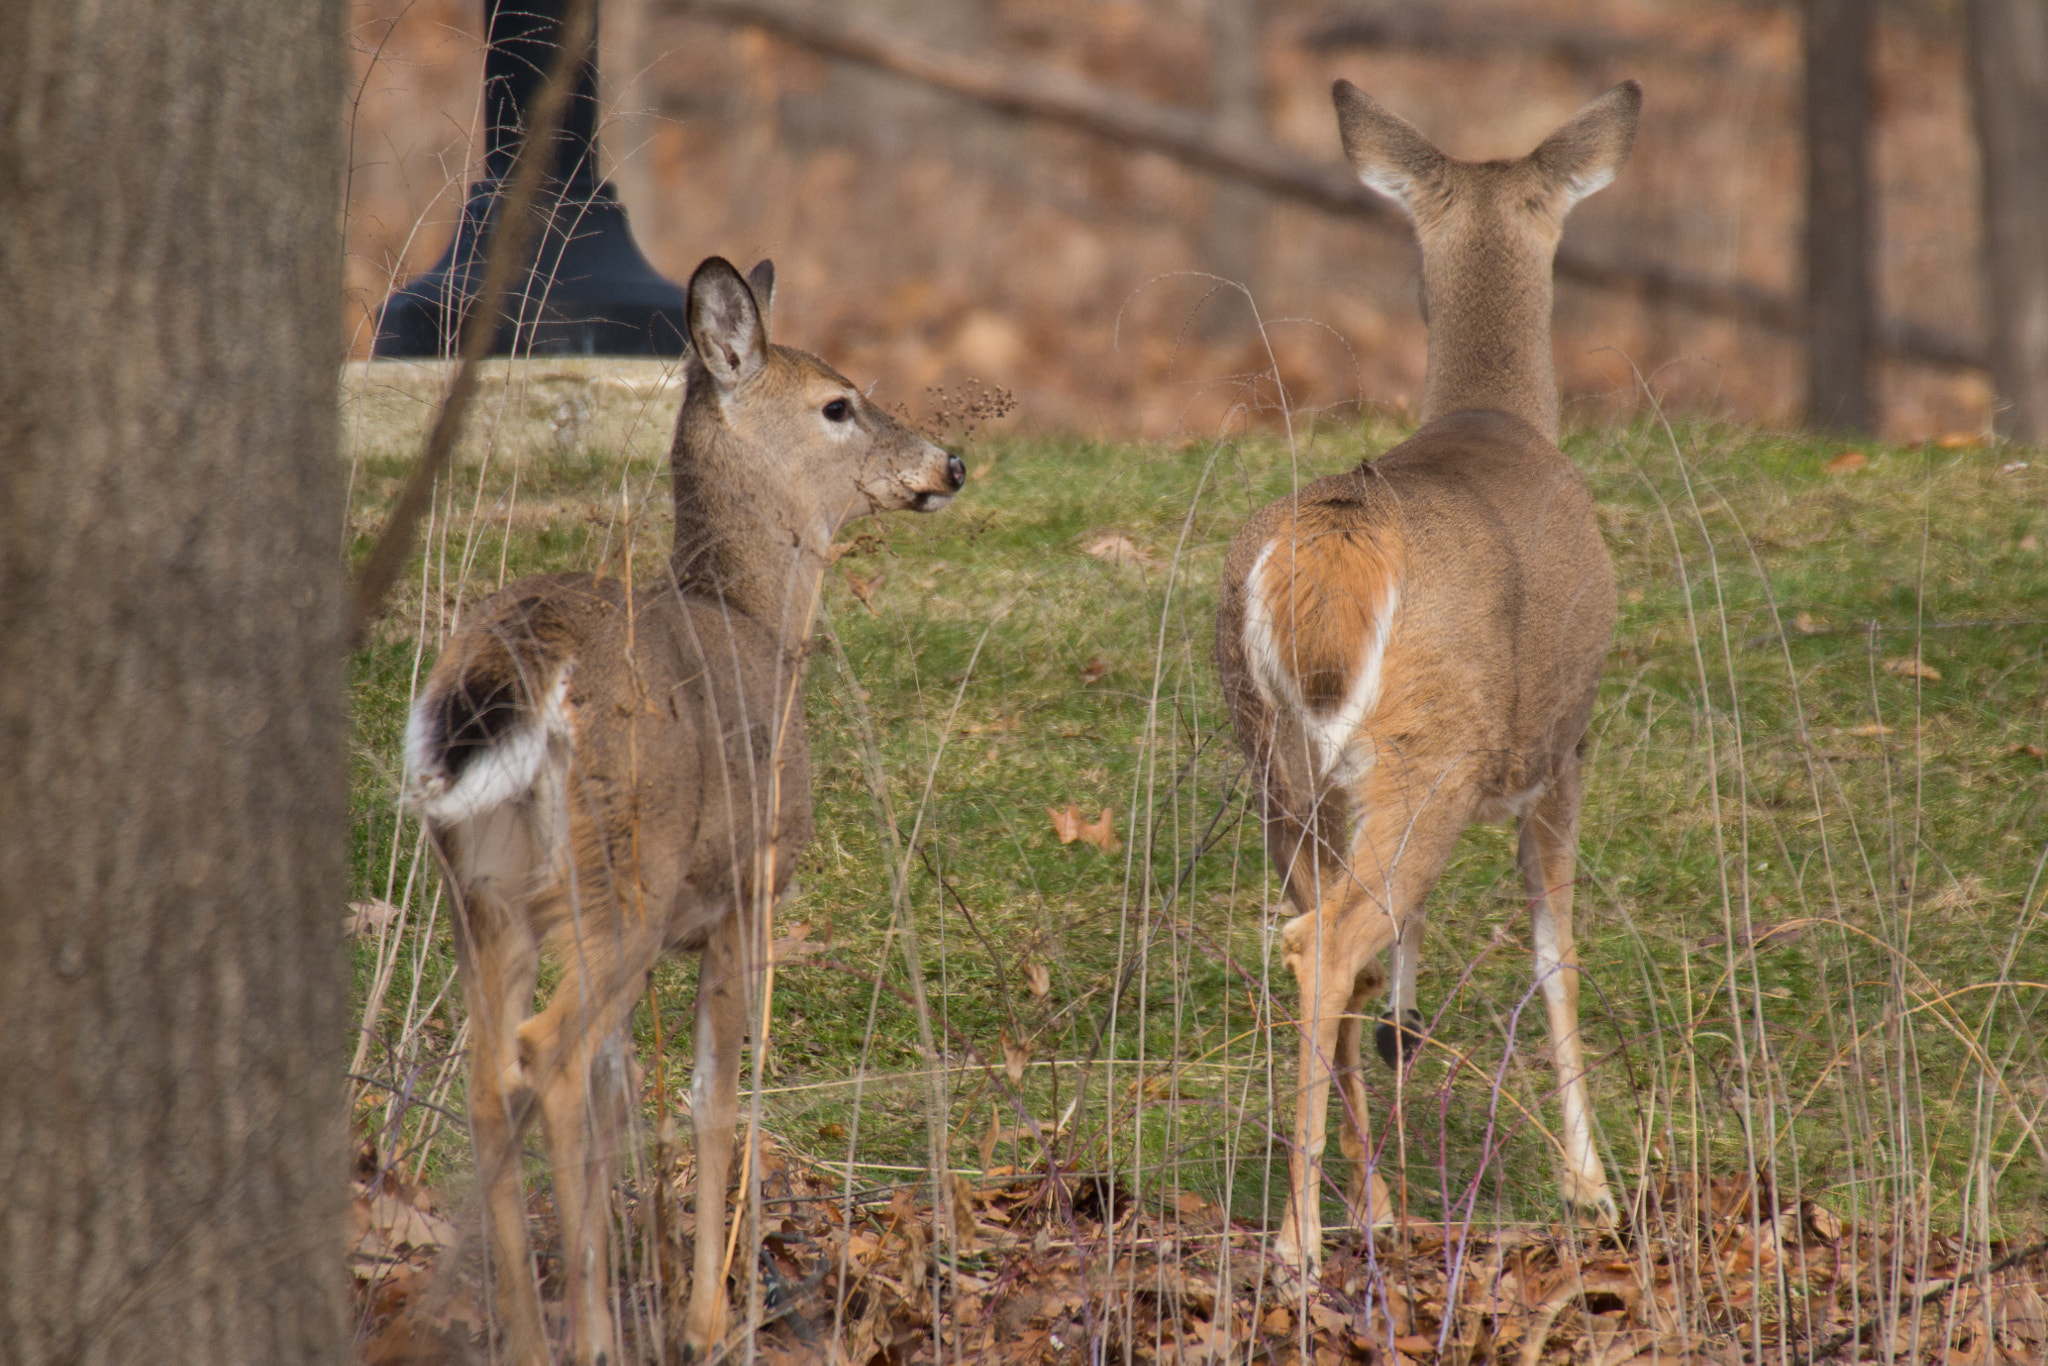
(1397, 1045)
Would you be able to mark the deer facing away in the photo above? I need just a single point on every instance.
(1415, 644)
(611, 776)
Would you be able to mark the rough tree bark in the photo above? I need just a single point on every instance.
(2009, 86)
(1841, 284)
(172, 989)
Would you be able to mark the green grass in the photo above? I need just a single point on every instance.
(1755, 763)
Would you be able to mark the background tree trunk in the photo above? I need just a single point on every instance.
(1841, 286)
(2009, 86)
(172, 989)
(1237, 212)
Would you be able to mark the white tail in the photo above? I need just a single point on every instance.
(612, 776)
(1415, 644)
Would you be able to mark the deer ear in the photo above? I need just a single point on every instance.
(761, 279)
(1589, 150)
(1384, 149)
(725, 324)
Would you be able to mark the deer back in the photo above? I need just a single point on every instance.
(1450, 601)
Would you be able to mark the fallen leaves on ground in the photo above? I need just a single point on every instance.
(367, 917)
(405, 1310)
(1846, 462)
(1048, 1268)
(1121, 550)
(1070, 826)
(863, 590)
(1094, 671)
(1911, 666)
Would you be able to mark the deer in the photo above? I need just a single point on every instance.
(611, 775)
(1415, 644)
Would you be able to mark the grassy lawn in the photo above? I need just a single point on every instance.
(1808, 903)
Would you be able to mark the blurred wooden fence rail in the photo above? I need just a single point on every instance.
(1035, 90)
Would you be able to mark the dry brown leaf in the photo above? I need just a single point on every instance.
(390, 1222)
(989, 1140)
(1846, 461)
(796, 944)
(1869, 732)
(1095, 670)
(1804, 624)
(964, 1237)
(863, 590)
(1911, 666)
(365, 917)
(1822, 1222)
(1121, 550)
(1015, 1055)
(1037, 977)
(1957, 441)
(1102, 834)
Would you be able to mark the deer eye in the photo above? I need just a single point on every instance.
(838, 410)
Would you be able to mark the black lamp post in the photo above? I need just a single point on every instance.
(588, 290)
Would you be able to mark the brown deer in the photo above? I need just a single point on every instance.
(610, 776)
(1415, 644)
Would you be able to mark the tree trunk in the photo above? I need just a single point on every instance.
(2009, 86)
(172, 989)
(1840, 282)
(1237, 212)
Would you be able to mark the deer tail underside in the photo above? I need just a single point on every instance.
(482, 733)
(1320, 605)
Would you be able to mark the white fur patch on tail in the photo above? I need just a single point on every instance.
(505, 772)
(1332, 732)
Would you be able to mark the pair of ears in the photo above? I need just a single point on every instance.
(1582, 156)
(728, 317)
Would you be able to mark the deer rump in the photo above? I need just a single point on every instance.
(538, 800)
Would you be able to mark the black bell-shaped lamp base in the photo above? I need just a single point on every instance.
(589, 291)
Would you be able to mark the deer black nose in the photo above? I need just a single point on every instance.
(956, 472)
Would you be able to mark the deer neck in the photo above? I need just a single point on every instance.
(761, 550)
(1489, 331)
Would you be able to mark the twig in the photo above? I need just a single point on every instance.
(410, 1099)
(510, 235)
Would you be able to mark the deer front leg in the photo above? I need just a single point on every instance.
(1548, 854)
(714, 1109)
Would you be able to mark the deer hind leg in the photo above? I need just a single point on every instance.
(564, 1049)
(714, 1107)
(1371, 1206)
(1548, 853)
(498, 960)
(1396, 854)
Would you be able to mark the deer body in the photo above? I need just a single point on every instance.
(1415, 644)
(610, 776)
